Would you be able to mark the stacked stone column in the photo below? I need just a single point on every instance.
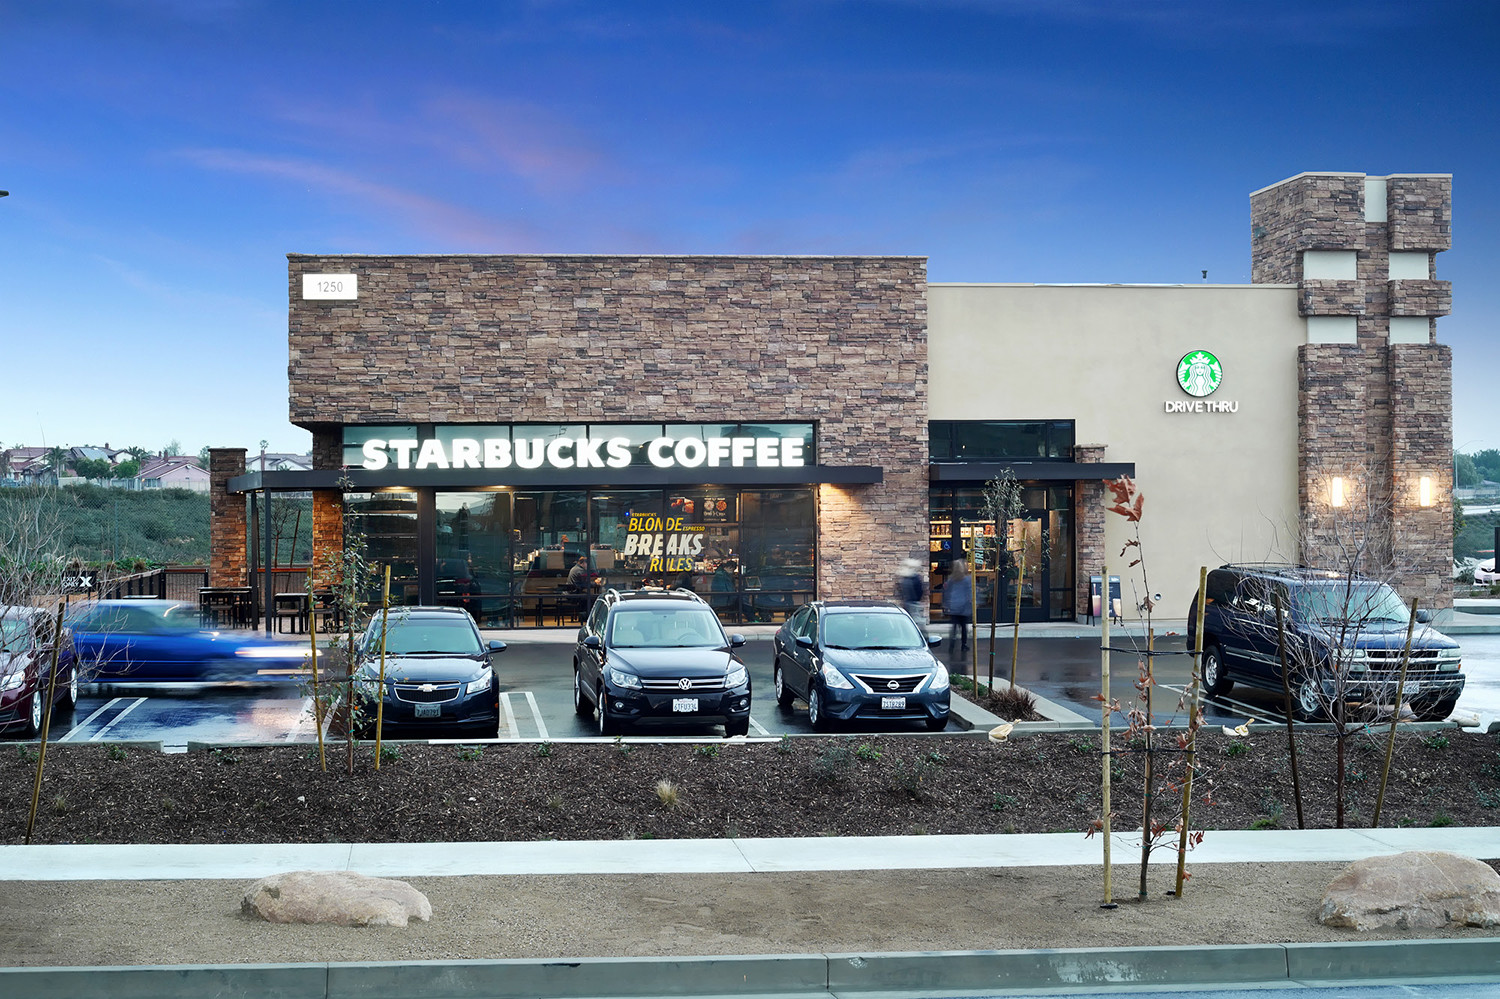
(227, 564)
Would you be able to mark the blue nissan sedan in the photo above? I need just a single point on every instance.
(155, 641)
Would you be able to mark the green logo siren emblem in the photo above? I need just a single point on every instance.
(1199, 373)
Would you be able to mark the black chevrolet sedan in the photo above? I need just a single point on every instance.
(437, 672)
(859, 659)
(662, 655)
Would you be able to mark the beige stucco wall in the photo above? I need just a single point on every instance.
(1219, 487)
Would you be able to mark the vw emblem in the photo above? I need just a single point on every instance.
(685, 684)
(427, 688)
(893, 685)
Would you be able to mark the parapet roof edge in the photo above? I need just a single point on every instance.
(1094, 284)
(1346, 173)
(632, 256)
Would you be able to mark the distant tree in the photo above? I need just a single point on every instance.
(128, 469)
(1487, 462)
(1459, 523)
(173, 449)
(57, 460)
(93, 468)
(203, 456)
(1465, 473)
(138, 453)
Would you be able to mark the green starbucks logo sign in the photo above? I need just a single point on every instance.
(1199, 373)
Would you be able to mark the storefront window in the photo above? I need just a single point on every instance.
(1000, 440)
(474, 555)
(388, 522)
(776, 566)
(550, 534)
(959, 529)
(619, 519)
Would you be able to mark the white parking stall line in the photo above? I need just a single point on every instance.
(758, 726)
(510, 716)
(84, 724)
(116, 719)
(536, 713)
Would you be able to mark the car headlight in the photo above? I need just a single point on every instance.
(14, 680)
(834, 678)
(482, 684)
(939, 679)
(736, 677)
(269, 652)
(620, 678)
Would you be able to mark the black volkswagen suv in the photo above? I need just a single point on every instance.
(658, 654)
(1344, 638)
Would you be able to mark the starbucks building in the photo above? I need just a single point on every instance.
(767, 430)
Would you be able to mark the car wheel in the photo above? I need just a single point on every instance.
(736, 726)
(815, 714)
(34, 716)
(581, 705)
(784, 695)
(1216, 682)
(936, 724)
(70, 700)
(1307, 700)
(1437, 710)
(607, 724)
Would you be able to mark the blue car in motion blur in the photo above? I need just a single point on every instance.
(157, 641)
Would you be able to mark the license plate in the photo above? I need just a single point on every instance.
(685, 705)
(1410, 687)
(893, 704)
(429, 710)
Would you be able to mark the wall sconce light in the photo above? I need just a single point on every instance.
(1424, 491)
(1336, 494)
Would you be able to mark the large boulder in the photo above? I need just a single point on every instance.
(343, 898)
(1419, 890)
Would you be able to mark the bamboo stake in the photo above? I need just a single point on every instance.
(1286, 699)
(1390, 744)
(385, 610)
(1194, 712)
(312, 635)
(1146, 785)
(1104, 729)
(974, 608)
(1015, 642)
(41, 756)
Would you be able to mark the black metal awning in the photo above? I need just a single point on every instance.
(1029, 471)
(364, 480)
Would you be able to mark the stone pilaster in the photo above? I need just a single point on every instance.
(227, 559)
(1088, 526)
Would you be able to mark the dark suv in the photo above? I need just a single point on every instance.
(658, 654)
(1344, 637)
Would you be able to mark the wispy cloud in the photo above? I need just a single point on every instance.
(452, 224)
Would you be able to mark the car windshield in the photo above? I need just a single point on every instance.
(12, 631)
(666, 628)
(453, 636)
(1359, 602)
(871, 630)
(138, 619)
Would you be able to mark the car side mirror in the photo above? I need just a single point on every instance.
(496, 645)
(934, 640)
(1423, 615)
(735, 641)
(592, 642)
(805, 641)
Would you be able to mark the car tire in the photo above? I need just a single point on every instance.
(816, 716)
(1307, 700)
(581, 706)
(1437, 710)
(936, 724)
(70, 698)
(1216, 682)
(784, 695)
(736, 726)
(608, 726)
(34, 714)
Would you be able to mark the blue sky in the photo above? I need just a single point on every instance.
(163, 156)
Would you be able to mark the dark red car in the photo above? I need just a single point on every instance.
(25, 653)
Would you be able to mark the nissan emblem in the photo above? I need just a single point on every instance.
(893, 685)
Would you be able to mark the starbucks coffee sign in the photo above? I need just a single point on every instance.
(1199, 374)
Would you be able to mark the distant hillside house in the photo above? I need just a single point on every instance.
(173, 473)
(278, 461)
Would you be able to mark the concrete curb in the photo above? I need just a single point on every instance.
(1131, 968)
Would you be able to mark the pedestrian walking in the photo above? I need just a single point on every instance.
(911, 590)
(958, 604)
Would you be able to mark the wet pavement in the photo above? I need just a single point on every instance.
(536, 693)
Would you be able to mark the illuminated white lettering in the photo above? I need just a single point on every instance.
(403, 451)
(741, 448)
(619, 452)
(555, 453)
(791, 452)
(697, 545)
(531, 454)
(718, 450)
(586, 450)
(630, 540)
(465, 453)
(496, 452)
(765, 452)
(690, 452)
(375, 458)
(673, 541)
(432, 455)
(656, 451)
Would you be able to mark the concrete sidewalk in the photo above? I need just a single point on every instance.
(713, 856)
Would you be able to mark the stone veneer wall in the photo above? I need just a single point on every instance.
(328, 504)
(840, 341)
(227, 557)
(1375, 413)
(1088, 527)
